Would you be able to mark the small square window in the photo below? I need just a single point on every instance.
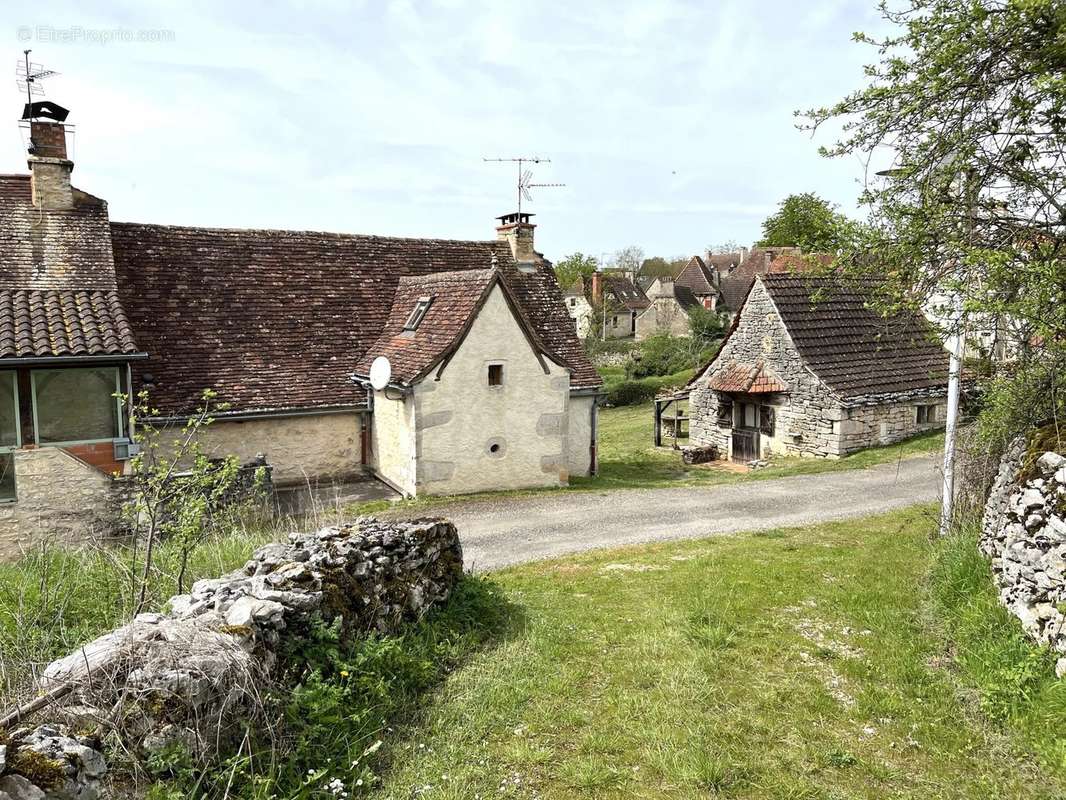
(926, 414)
(417, 314)
(495, 374)
(7, 477)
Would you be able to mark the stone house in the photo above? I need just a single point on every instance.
(668, 309)
(758, 261)
(578, 307)
(279, 324)
(809, 368)
(621, 299)
(702, 281)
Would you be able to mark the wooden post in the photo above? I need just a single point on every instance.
(657, 435)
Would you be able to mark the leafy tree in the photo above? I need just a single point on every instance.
(706, 325)
(574, 266)
(657, 267)
(971, 98)
(808, 222)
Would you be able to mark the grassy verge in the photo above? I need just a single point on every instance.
(791, 664)
(1014, 680)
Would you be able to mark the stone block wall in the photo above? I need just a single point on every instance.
(60, 499)
(885, 423)
(808, 409)
(1024, 535)
(196, 675)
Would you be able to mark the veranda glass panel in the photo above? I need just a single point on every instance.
(76, 405)
(9, 435)
(7, 477)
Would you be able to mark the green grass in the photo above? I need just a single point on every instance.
(797, 663)
(628, 459)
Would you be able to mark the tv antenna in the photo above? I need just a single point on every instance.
(525, 177)
(28, 76)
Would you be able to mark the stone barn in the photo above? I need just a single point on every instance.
(809, 368)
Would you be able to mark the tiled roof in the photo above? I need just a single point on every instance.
(281, 319)
(35, 324)
(747, 378)
(43, 249)
(626, 292)
(736, 285)
(723, 261)
(455, 298)
(57, 278)
(849, 345)
(685, 297)
(696, 277)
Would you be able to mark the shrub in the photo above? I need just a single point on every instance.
(633, 392)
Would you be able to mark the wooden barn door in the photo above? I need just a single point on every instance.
(745, 445)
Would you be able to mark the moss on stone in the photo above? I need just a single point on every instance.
(1049, 437)
(37, 768)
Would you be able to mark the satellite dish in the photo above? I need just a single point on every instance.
(380, 373)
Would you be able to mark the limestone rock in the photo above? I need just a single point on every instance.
(15, 787)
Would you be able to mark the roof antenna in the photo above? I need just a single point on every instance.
(28, 76)
(525, 177)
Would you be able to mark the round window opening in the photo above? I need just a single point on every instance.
(496, 448)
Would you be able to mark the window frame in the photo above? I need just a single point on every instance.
(418, 313)
(497, 370)
(8, 450)
(116, 397)
(926, 410)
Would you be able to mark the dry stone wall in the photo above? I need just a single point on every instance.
(193, 676)
(1024, 534)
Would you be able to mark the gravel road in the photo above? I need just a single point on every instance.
(496, 533)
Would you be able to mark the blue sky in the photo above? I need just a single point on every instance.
(670, 122)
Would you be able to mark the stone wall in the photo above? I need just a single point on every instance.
(60, 499)
(1024, 535)
(868, 425)
(315, 448)
(581, 414)
(474, 437)
(664, 315)
(197, 674)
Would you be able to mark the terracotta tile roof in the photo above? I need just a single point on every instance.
(454, 300)
(685, 297)
(723, 261)
(849, 345)
(35, 324)
(625, 292)
(747, 378)
(57, 278)
(697, 277)
(275, 319)
(736, 285)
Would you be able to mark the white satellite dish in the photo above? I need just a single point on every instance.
(380, 373)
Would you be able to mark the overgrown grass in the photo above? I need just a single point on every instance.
(796, 663)
(347, 694)
(1015, 681)
(54, 599)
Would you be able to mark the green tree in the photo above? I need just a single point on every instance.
(971, 98)
(706, 325)
(574, 266)
(808, 222)
(658, 267)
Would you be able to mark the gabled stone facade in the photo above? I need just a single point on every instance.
(808, 418)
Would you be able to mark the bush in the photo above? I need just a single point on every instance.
(633, 392)
(663, 354)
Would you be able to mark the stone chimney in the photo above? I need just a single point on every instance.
(49, 166)
(597, 287)
(517, 231)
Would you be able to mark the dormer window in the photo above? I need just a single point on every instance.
(418, 314)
